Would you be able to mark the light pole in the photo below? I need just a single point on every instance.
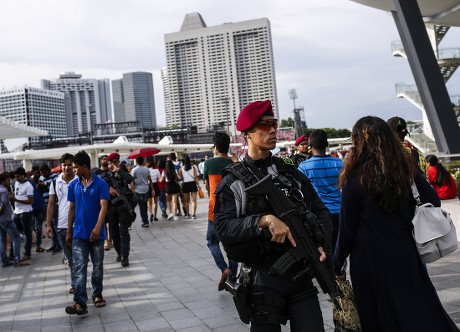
(293, 96)
(297, 124)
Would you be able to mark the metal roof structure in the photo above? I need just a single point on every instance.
(124, 149)
(12, 129)
(439, 12)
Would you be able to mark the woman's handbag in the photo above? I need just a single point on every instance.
(346, 319)
(200, 192)
(434, 232)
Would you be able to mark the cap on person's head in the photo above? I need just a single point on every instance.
(398, 125)
(112, 156)
(300, 140)
(252, 112)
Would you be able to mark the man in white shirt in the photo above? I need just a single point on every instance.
(58, 196)
(23, 199)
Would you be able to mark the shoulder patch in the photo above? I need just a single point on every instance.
(288, 161)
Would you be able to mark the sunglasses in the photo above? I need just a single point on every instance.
(267, 125)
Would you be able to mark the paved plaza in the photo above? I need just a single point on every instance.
(171, 285)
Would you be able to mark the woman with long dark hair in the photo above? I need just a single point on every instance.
(440, 178)
(172, 188)
(189, 173)
(392, 288)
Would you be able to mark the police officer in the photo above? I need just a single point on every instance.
(252, 234)
(303, 149)
(120, 215)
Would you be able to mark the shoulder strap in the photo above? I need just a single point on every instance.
(55, 191)
(241, 173)
(415, 193)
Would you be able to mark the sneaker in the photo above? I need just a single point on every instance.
(145, 225)
(176, 218)
(155, 219)
(38, 249)
(193, 217)
(151, 218)
(187, 216)
(170, 217)
(25, 258)
(164, 214)
(77, 309)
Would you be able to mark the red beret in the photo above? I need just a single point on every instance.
(252, 113)
(112, 156)
(300, 140)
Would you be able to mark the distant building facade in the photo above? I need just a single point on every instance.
(213, 72)
(87, 101)
(133, 99)
(34, 107)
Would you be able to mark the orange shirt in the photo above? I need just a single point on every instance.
(212, 173)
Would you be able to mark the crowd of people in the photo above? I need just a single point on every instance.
(357, 209)
(88, 211)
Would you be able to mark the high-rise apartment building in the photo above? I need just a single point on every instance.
(133, 99)
(87, 101)
(213, 72)
(34, 107)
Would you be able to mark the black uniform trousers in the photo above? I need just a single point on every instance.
(274, 299)
(119, 222)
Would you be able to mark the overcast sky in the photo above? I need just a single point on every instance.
(335, 53)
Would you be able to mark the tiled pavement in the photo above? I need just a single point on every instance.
(171, 285)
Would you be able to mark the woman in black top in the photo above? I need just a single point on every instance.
(392, 288)
(172, 188)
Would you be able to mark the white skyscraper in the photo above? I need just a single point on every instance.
(87, 101)
(34, 107)
(213, 72)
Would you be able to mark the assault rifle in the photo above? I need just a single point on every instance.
(122, 198)
(302, 229)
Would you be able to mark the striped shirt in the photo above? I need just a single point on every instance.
(324, 171)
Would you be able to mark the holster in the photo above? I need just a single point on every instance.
(240, 292)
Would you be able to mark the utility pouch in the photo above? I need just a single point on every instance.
(241, 303)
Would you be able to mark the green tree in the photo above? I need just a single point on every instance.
(289, 122)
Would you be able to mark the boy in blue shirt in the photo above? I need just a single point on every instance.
(88, 197)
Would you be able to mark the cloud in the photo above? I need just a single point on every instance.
(336, 53)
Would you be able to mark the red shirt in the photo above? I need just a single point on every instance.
(161, 185)
(444, 191)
